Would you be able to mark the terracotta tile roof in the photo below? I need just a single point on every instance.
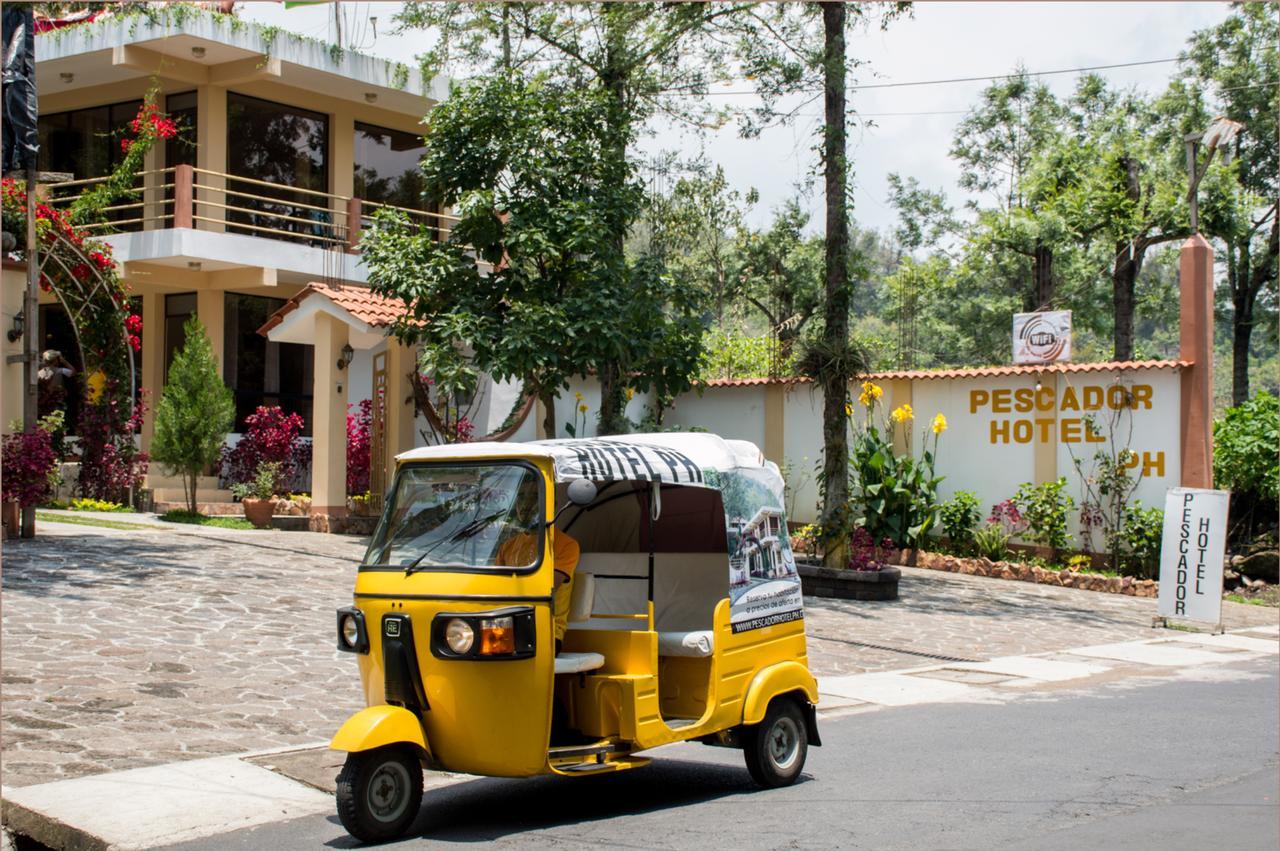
(971, 372)
(361, 302)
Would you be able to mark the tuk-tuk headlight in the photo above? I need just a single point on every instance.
(497, 636)
(352, 635)
(459, 635)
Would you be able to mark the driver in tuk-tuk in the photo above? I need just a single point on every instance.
(520, 548)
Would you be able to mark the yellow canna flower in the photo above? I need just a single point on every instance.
(902, 413)
(578, 396)
(870, 393)
(631, 393)
(939, 424)
(582, 408)
(848, 409)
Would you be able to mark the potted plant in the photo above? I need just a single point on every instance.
(30, 467)
(256, 495)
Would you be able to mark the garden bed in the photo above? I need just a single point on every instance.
(1065, 578)
(819, 581)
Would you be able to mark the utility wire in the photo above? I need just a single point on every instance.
(977, 79)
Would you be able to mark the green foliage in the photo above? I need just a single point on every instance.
(195, 413)
(1140, 538)
(992, 541)
(732, 354)
(197, 519)
(263, 484)
(960, 516)
(90, 504)
(1045, 508)
(1245, 462)
(895, 494)
(1244, 448)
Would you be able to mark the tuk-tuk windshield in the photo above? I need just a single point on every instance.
(461, 515)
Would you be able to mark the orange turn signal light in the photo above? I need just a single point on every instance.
(497, 636)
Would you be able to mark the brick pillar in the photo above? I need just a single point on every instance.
(1195, 283)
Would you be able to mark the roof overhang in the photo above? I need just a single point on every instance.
(232, 51)
(295, 322)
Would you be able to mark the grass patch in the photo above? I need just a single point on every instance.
(1252, 601)
(201, 520)
(45, 517)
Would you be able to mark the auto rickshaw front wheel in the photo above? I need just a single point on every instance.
(380, 792)
(776, 747)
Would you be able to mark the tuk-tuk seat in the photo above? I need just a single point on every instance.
(697, 643)
(578, 663)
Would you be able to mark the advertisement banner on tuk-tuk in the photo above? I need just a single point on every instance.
(764, 586)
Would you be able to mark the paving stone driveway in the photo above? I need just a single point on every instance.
(130, 648)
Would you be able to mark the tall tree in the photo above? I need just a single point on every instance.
(1235, 63)
(525, 165)
(780, 272)
(643, 57)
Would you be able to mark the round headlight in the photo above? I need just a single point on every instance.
(350, 630)
(459, 635)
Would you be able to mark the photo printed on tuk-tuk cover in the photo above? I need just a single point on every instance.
(764, 586)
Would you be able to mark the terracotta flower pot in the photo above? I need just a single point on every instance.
(259, 511)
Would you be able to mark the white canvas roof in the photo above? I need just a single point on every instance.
(677, 457)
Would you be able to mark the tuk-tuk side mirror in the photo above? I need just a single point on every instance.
(581, 491)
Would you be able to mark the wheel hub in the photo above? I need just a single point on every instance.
(783, 743)
(388, 792)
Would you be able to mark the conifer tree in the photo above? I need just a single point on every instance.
(195, 413)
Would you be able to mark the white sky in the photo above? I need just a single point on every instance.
(941, 40)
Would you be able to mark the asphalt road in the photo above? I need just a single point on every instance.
(1153, 763)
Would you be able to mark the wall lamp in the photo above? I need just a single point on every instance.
(344, 360)
(19, 325)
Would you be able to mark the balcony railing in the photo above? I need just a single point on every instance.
(188, 197)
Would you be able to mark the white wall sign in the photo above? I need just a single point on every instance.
(1042, 337)
(1191, 551)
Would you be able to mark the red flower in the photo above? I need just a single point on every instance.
(134, 323)
(101, 260)
(124, 145)
(135, 343)
(81, 271)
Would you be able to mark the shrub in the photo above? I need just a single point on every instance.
(992, 541)
(262, 485)
(90, 504)
(1245, 461)
(110, 463)
(1140, 538)
(359, 432)
(195, 413)
(270, 436)
(863, 552)
(959, 516)
(896, 494)
(1045, 508)
(30, 465)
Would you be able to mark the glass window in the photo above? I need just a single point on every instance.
(453, 515)
(181, 150)
(178, 308)
(281, 145)
(386, 168)
(86, 143)
(259, 371)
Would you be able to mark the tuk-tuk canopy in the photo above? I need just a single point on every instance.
(674, 457)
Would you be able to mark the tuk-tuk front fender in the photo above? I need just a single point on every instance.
(376, 726)
(768, 683)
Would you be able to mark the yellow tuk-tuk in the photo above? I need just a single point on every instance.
(684, 617)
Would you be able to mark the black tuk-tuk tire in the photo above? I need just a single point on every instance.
(775, 749)
(358, 808)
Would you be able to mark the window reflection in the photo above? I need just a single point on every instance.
(259, 371)
(281, 145)
(386, 168)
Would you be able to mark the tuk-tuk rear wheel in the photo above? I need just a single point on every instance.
(776, 748)
(380, 792)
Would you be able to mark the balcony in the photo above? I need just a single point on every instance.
(187, 215)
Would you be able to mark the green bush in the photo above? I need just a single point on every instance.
(195, 413)
(1140, 538)
(992, 541)
(959, 516)
(1245, 461)
(91, 504)
(1045, 508)
(263, 485)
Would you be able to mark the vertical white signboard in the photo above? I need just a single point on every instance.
(1191, 551)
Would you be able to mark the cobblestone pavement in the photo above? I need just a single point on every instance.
(951, 616)
(130, 648)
